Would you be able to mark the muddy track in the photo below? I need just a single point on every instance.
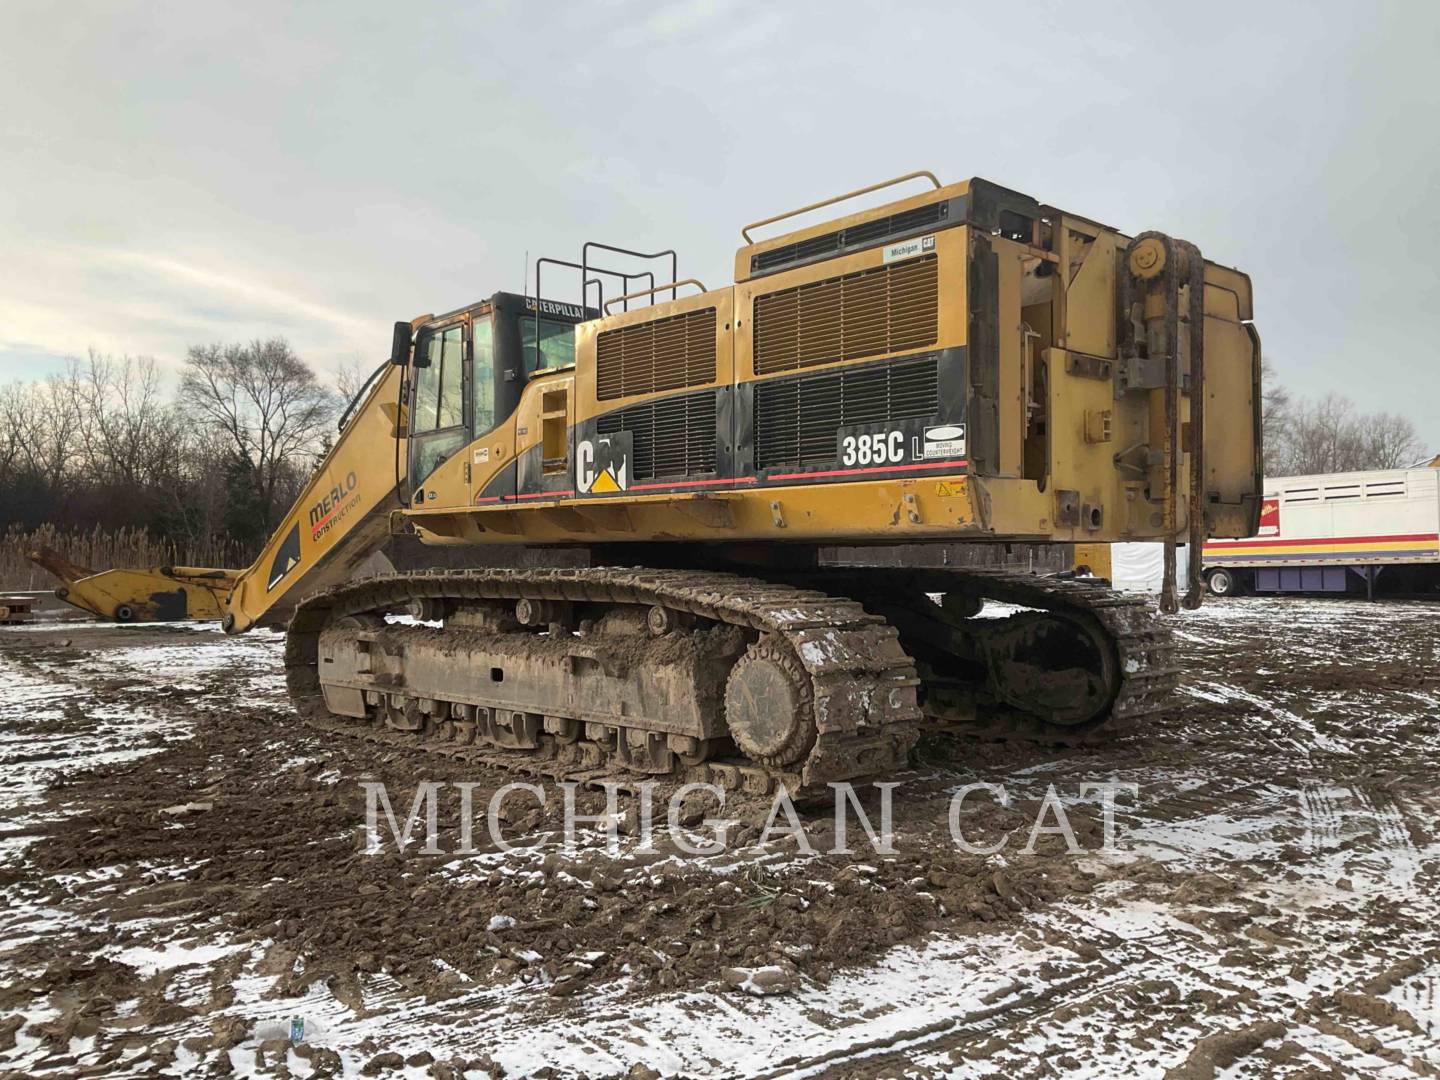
(862, 684)
(1143, 648)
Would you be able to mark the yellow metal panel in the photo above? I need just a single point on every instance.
(1230, 370)
(586, 393)
(951, 252)
(1093, 557)
(492, 453)
(1012, 344)
(924, 198)
(875, 511)
(1089, 284)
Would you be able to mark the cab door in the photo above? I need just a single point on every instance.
(439, 411)
(492, 460)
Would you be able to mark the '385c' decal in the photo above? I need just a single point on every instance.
(876, 448)
(899, 442)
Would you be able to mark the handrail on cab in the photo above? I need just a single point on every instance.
(651, 292)
(926, 173)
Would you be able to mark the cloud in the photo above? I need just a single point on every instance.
(243, 290)
(159, 304)
(281, 170)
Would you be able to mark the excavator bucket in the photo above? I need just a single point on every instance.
(157, 594)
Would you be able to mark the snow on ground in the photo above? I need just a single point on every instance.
(1273, 871)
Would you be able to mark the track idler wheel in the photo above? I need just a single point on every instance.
(769, 706)
(1056, 669)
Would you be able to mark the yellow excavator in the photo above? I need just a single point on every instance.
(962, 363)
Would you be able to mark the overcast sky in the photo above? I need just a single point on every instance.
(194, 172)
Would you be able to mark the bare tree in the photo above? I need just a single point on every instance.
(1324, 437)
(198, 498)
(128, 431)
(351, 378)
(267, 403)
(1275, 418)
(14, 401)
(50, 421)
(1391, 441)
(1327, 435)
(38, 448)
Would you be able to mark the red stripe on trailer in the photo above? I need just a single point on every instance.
(1329, 540)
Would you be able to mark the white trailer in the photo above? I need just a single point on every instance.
(1337, 532)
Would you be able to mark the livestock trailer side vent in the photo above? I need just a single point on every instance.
(1381, 488)
(796, 418)
(865, 234)
(1348, 491)
(886, 309)
(672, 437)
(665, 354)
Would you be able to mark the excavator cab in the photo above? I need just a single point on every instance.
(468, 371)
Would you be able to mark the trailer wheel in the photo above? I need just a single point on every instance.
(1221, 583)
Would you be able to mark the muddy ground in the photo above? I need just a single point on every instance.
(188, 891)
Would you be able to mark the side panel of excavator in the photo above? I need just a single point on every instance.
(962, 364)
(965, 364)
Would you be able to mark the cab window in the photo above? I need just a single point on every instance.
(440, 387)
(451, 409)
(546, 344)
(427, 389)
(484, 377)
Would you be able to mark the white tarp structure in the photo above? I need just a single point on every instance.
(1141, 567)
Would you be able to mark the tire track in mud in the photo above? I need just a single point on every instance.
(1320, 814)
(881, 1056)
(1393, 837)
(1141, 964)
(1327, 810)
(1381, 835)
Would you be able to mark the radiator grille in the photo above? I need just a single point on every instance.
(670, 438)
(667, 354)
(856, 236)
(883, 310)
(797, 419)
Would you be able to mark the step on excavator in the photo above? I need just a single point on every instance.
(962, 363)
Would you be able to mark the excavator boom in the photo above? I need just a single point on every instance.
(339, 520)
(158, 594)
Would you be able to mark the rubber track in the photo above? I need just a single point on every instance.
(863, 683)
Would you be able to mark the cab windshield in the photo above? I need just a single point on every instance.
(546, 344)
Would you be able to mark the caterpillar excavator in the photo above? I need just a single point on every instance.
(962, 363)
